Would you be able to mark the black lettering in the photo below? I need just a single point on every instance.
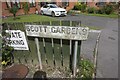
(28, 28)
(53, 30)
(40, 28)
(73, 31)
(63, 30)
(84, 31)
(22, 42)
(16, 34)
(12, 42)
(36, 29)
(32, 29)
(12, 35)
(17, 42)
(68, 30)
(59, 30)
(45, 28)
(19, 35)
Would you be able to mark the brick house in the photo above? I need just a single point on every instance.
(97, 3)
(33, 4)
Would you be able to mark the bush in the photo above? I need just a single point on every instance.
(83, 7)
(7, 51)
(77, 7)
(86, 69)
(99, 11)
(14, 10)
(108, 9)
(91, 10)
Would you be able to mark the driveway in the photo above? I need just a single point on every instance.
(107, 66)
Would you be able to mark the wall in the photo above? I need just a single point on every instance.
(5, 10)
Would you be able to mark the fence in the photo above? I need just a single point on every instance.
(55, 53)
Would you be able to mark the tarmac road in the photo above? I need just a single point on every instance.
(108, 46)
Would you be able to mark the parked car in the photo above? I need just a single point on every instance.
(53, 10)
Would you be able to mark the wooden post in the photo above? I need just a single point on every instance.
(38, 52)
(61, 47)
(70, 50)
(45, 51)
(53, 52)
(75, 58)
(61, 52)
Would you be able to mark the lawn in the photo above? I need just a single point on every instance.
(29, 18)
(102, 15)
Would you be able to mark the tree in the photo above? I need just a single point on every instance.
(25, 7)
(14, 10)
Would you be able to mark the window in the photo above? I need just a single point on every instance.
(32, 3)
(100, 4)
(53, 6)
(8, 4)
(17, 3)
(65, 3)
(45, 6)
(14, 2)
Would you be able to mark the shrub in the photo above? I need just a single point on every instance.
(90, 9)
(7, 51)
(99, 11)
(77, 7)
(83, 7)
(14, 10)
(86, 69)
(108, 9)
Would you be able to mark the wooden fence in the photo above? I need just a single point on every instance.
(55, 53)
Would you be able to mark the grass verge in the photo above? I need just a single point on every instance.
(102, 15)
(29, 18)
(92, 27)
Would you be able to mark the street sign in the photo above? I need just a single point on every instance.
(18, 40)
(60, 32)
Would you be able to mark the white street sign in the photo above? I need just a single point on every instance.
(61, 32)
(18, 40)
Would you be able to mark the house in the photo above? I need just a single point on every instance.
(97, 3)
(34, 5)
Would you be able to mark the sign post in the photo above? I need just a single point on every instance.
(38, 52)
(75, 58)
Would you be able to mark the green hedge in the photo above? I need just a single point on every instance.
(81, 7)
(107, 9)
(90, 9)
(99, 11)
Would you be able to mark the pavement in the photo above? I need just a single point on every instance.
(107, 61)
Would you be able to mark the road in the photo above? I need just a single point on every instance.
(107, 66)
